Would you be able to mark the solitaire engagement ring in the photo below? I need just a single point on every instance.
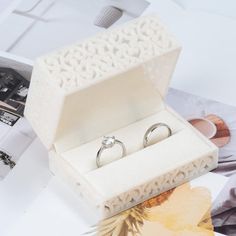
(109, 142)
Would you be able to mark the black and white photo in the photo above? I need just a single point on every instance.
(13, 91)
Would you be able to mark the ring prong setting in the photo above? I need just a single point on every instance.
(108, 141)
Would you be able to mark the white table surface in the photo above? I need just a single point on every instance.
(7, 7)
(207, 31)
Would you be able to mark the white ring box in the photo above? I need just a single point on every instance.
(114, 84)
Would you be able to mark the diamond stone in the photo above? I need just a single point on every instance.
(108, 141)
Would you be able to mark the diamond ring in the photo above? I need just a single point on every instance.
(150, 130)
(109, 142)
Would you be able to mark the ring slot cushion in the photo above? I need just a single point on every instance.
(114, 84)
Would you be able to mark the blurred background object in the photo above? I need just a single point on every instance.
(115, 8)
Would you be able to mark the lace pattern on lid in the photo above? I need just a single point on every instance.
(108, 53)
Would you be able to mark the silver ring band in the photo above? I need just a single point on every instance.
(151, 129)
(109, 142)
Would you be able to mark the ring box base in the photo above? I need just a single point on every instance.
(143, 173)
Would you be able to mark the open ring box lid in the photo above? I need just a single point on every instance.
(114, 84)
